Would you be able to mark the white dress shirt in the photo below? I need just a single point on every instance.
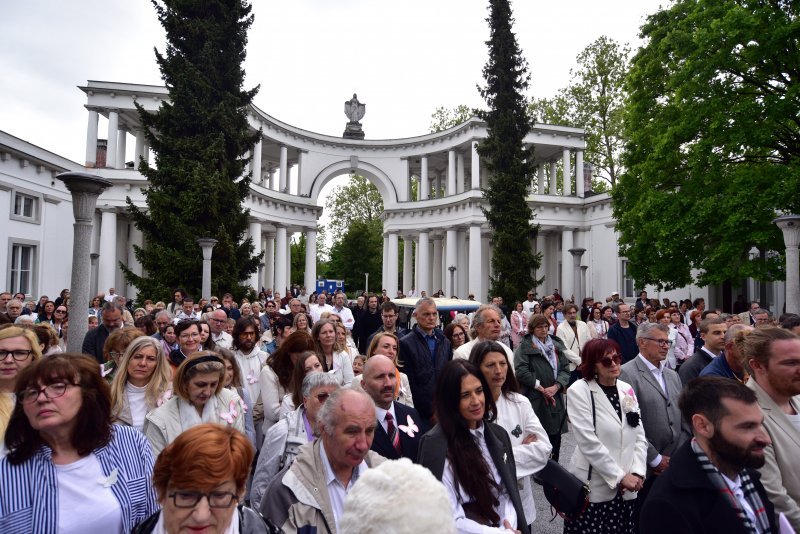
(336, 490)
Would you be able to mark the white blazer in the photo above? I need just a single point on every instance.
(614, 449)
(574, 346)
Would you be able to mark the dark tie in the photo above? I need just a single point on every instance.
(391, 430)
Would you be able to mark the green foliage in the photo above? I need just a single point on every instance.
(199, 138)
(298, 246)
(358, 251)
(358, 200)
(712, 130)
(507, 159)
(444, 118)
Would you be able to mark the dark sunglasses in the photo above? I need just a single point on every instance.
(608, 361)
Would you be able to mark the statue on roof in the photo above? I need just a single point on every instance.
(355, 112)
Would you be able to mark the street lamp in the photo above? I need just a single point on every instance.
(366, 282)
(207, 244)
(452, 270)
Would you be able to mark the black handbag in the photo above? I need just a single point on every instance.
(567, 494)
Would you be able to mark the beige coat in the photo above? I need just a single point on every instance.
(781, 474)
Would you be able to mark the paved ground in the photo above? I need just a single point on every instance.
(543, 525)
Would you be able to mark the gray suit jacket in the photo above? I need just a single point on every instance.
(661, 417)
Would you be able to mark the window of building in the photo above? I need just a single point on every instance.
(22, 270)
(627, 282)
(25, 208)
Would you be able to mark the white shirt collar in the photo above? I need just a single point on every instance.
(330, 476)
(653, 368)
(380, 414)
(703, 348)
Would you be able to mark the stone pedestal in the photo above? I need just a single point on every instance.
(85, 189)
(353, 131)
(790, 226)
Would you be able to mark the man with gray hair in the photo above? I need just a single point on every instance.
(216, 323)
(283, 440)
(424, 352)
(487, 325)
(657, 388)
(111, 315)
(729, 364)
(163, 320)
(309, 495)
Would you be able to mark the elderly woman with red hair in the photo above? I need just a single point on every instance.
(200, 479)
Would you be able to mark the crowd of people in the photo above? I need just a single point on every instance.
(272, 414)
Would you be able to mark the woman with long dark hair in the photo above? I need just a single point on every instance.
(471, 455)
(514, 413)
(276, 375)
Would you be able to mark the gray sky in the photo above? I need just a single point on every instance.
(404, 58)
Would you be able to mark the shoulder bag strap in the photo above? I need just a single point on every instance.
(594, 425)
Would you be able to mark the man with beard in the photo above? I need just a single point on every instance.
(487, 325)
(713, 484)
(248, 354)
(772, 357)
(389, 314)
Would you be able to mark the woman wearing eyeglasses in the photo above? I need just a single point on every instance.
(19, 348)
(198, 397)
(200, 480)
(69, 469)
(187, 333)
(611, 448)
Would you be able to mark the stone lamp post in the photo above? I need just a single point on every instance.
(207, 244)
(85, 188)
(790, 226)
(577, 254)
(452, 270)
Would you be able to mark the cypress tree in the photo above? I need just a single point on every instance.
(508, 160)
(200, 138)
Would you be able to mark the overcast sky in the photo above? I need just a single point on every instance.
(404, 58)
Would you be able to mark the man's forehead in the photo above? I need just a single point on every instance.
(740, 411)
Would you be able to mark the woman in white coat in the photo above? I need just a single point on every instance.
(199, 397)
(611, 448)
(515, 414)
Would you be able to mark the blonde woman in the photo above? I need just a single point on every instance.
(19, 348)
(388, 345)
(142, 383)
(344, 343)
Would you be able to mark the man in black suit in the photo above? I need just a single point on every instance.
(712, 484)
(395, 436)
(712, 331)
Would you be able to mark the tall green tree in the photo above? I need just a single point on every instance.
(359, 251)
(357, 200)
(444, 118)
(507, 158)
(199, 138)
(713, 142)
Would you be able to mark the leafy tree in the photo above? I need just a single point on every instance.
(358, 200)
(444, 118)
(508, 160)
(712, 152)
(199, 138)
(359, 251)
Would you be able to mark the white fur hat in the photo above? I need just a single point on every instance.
(399, 497)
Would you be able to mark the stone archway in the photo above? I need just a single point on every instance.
(373, 174)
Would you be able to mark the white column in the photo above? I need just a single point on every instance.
(579, 185)
(391, 270)
(310, 279)
(385, 270)
(424, 183)
(541, 271)
(540, 179)
(135, 238)
(256, 163)
(451, 173)
(111, 152)
(282, 176)
(790, 226)
(567, 175)
(280, 259)
(408, 272)
(122, 138)
(475, 171)
(553, 178)
(254, 232)
(288, 262)
(451, 259)
(475, 272)
(269, 262)
(437, 265)
(463, 258)
(138, 149)
(107, 267)
(301, 159)
(460, 172)
(423, 265)
(146, 152)
(91, 139)
(567, 241)
(485, 265)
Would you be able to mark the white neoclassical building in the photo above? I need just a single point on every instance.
(290, 167)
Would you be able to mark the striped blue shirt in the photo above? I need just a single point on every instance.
(29, 494)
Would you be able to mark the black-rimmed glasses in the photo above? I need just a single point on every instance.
(662, 342)
(216, 499)
(19, 355)
(51, 391)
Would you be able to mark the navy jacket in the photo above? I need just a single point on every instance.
(408, 445)
(422, 368)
